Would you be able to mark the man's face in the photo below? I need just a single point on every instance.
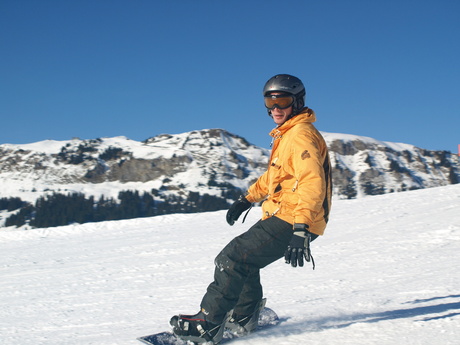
(280, 116)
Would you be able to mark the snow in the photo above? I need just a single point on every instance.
(329, 137)
(139, 149)
(386, 273)
(45, 146)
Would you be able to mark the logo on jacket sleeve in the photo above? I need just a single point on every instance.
(305, 154)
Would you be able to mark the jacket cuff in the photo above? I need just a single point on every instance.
(300, 227)
(250, 198)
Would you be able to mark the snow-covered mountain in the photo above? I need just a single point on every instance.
(183, 168)
(207, 161)
(365, 166)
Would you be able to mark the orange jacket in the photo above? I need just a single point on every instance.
(297, 185)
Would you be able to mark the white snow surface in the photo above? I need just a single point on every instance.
(387, 273)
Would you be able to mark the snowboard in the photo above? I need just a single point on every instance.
(267, 318)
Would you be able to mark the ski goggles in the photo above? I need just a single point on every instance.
(278, 101)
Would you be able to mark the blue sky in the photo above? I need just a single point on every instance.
(387, 69)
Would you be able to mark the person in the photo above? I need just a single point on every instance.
(296, 193)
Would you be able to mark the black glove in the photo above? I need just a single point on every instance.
(299, 247)
(238, 207)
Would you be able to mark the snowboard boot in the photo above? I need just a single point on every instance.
(196, 328)
(244, 324)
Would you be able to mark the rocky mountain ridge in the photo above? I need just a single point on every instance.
(365, 166)
(201, 161)
(184, 167)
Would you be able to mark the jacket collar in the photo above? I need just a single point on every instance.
(306, 115)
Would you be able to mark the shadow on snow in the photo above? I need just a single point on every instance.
(431, 312)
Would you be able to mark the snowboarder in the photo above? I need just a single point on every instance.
(296, 189)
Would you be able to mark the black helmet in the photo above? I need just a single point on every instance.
(287, 84)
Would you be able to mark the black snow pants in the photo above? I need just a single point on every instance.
(236, 282)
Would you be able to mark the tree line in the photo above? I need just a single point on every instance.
(62, 209)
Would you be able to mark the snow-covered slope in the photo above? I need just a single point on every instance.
(386, 274)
